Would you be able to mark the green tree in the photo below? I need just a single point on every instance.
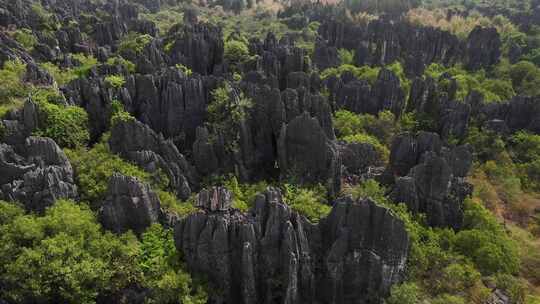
(62, 256)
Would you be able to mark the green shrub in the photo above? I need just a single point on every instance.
(94, 167)
(163, 270)
(346, 56)
(309, 202)
(12, 87)
(370, 189)
(244, 194)
(171, 203)
(61, 77)
(119, 60)
(484, 241)
(62, 256)
(67, 125)
(406, 293)
(185, 70)
(448, 299)
(65, 256)
(86, 63)
(236, 51)
(365, 72)
(115, 81)
(26, 38)
(134, 42)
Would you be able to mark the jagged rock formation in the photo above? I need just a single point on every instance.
(136, 142)
(430, 178)
(359, 97)
(483, 48)
(129, 205)
(38, 176)
(520, 113)
(358, 158)
(306, 153)
(198, 46)
(273, 255)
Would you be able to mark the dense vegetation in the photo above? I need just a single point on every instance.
(64, 255)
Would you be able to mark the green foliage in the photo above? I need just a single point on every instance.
(85, 64)
(493, 90)
(236, 51)
(165, 19)
(365, 128)
(310, 202)
(244, 194)
(62, 256)
(115, 81)
(404, 81)
(134, 42)
(25, 37)
(67, 125)
(226, 111)
(171, 203)
(525, 149)
(119, 60)
(61, 77)
(12, 85)
(486, 243)
(94, 167)
(185, 70)
(365, 72)
(524, 75)
(346, 56)
(406, 293)
(370, 189)
(163, 270)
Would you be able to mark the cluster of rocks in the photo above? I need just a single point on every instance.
(36, 174)
(273, 255)
(137, 143)
(430, 178)
(383, 42)
(358, 96)
(129, 205)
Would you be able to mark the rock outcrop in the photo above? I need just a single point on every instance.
(136, 142)
(129, 205)
(273, 255)
(306, 153)
(483, 48)
(430, 178)
(38, 176)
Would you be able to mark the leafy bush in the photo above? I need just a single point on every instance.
(85, 64)
(12, 85)
(236, 51)
(244, 194)
(61, 77)
(119, 60)
(185, 70)
(134, 42)
(67, 125)
(370, 189)
(486, 243)
(25, 37)
(346, 56)
(493, 90)
(171, 203)
(406, 293)
(163, 270)
(115, 81)
(62, 256)
(366, 128)
(365, 72)
(65, 256)
(309, 202)
(94, 167)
